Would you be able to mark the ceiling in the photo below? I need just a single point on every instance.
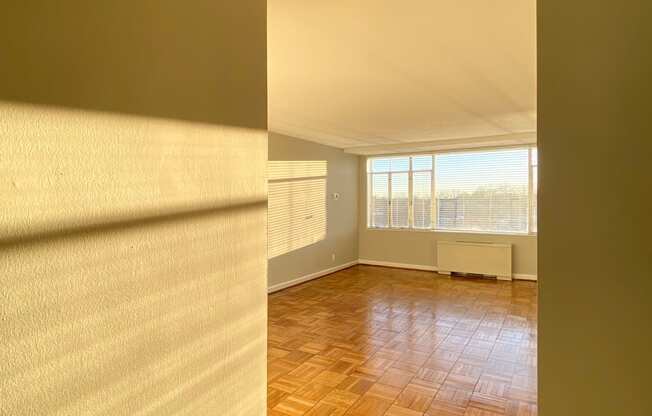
(373, 77)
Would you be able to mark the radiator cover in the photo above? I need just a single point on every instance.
(492, 259)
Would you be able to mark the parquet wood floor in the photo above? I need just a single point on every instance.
(373, 341)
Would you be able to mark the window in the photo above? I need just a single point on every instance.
(422, 192)
(483, 191)
(389, 199)
(296, 206)
(492, 191)
(534, 187)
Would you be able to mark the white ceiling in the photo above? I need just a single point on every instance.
(376, 76)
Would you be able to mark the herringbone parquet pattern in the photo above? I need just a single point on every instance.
(374, 341)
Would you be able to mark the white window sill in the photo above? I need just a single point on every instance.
(421, 230)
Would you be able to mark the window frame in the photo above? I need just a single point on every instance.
(533, 223)
(433, 200)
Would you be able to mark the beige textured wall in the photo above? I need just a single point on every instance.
(342, 223)
(595, 254)
(419, 247)
(127, 285)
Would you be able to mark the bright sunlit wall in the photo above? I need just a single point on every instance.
(133, 204)
(132, 261)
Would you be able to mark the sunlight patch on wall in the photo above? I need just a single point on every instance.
(66, 168)
(297, 204)
(132, 264)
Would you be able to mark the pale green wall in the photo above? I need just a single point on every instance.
(342, 223)
(595, 252)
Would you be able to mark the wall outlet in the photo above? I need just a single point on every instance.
(333, 257)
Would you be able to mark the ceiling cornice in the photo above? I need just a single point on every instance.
(511, 139)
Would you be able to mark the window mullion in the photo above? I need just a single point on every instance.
(529, 191)
(370, 200)
(389, 201)
(410, 196)
(433, 198)
(371, 209)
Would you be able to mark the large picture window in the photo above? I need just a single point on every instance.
(490, 191)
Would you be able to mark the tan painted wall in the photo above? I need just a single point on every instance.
(127, 285)
(595, 253)
(419, 247)
(342, 223)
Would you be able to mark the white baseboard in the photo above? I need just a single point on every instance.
(520, 276)
(398, 265)
(311, 276)
(308, 277)
(517, 276)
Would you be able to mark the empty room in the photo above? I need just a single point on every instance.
(325, 208)
(402, 233)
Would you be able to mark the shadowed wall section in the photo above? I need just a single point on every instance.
(595, 254)
(133, 242)
(160, 58)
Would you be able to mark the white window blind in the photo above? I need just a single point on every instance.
(296, 205)
(399, 201)
(379, 201)
(483, 191)
(389, 198)
(475, 191)
(422, 191)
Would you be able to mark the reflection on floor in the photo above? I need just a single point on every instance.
(378, 341)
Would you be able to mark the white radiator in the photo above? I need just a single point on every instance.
(492, 259)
